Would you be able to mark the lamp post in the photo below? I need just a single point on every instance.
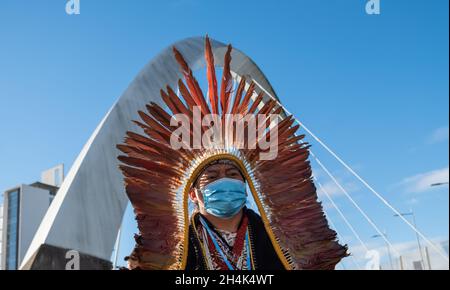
(411, 213)
(439, 184)
(387, 247)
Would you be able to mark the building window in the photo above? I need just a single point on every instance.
(12, 226)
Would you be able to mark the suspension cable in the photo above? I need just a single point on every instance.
(381, 198)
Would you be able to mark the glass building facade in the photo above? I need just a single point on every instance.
(12, 227)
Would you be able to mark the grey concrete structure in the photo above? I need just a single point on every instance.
(87, 212)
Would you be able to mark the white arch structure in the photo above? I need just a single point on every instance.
(86, 214)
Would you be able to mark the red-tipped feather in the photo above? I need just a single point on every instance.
(211, 75)
(192, 83)
(227, 82)
(244, 105)
(238, 96)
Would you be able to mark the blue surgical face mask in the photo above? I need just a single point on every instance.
(225, 197)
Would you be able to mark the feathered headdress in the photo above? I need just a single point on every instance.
(158, 177)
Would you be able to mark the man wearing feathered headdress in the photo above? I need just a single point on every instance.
(233, 161)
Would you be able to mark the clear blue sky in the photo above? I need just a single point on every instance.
(373, 87)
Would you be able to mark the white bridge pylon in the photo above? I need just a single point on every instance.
(87, 212)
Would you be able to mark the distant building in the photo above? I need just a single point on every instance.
(444, 245)
(417, 265)
(53, 176)
(24, 207)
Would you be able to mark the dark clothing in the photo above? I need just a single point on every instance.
(264, 255)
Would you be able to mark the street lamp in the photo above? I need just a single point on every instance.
(387, 247)
(411, 213)
(439, 184)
